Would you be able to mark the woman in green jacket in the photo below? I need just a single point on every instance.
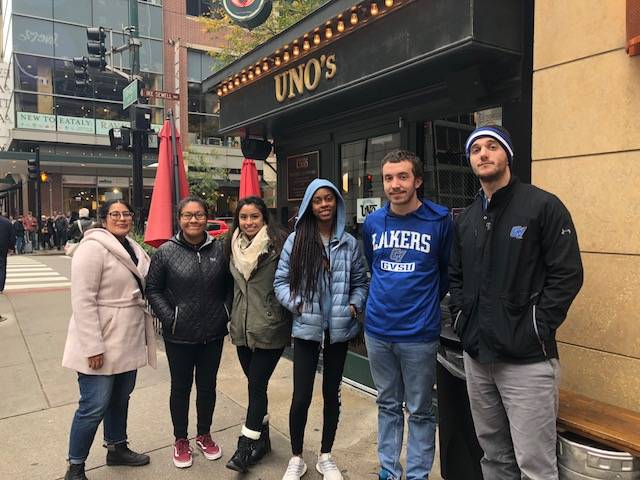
(260, 328)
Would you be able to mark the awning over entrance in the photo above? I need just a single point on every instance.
(456, 50)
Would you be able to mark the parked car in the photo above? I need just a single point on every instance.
(217, 227)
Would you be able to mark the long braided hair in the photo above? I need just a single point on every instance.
(308, 257)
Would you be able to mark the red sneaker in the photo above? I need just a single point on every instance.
(209, 448)
(182, 453)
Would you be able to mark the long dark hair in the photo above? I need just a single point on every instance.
(275, 233)
(308, 257)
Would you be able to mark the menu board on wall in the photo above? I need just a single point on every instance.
(301, 170)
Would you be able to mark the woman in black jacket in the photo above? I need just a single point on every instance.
(187, 286)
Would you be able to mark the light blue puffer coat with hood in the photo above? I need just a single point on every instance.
(345, 284)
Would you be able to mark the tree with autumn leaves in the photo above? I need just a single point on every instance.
(236, 40)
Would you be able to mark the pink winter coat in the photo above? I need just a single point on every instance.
(109, 314)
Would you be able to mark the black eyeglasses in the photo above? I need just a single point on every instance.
(189, 215)
(119, 215)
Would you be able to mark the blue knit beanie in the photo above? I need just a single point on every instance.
(501, 135)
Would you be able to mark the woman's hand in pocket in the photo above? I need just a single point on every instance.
(96, 362)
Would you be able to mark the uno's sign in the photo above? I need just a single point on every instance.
(304, 77)
(248, 13)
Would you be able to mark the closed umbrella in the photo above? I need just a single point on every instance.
(160, 226)
(249, 181)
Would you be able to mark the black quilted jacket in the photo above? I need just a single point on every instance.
(190, 290)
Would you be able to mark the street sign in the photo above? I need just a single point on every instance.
(160, 94)
(130, 94)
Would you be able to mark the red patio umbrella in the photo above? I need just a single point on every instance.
(160, 226)
(249, 181)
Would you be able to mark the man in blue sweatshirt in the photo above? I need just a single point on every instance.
(407, 245)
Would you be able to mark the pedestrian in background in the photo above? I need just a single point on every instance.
(260, 328)
(79, 226)
(18, 231)
(110, 336)
(189, 288)
(515, 269)
(7, 242)
(60, 226)
(321, 280)
(31, 226)
(407, 244)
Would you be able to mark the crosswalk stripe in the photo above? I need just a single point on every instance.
(37, 285)
(37, 279)
(28, 274)
(34, 274)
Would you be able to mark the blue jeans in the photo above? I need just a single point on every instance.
(19, 244)
(404, 372)
(103, 398)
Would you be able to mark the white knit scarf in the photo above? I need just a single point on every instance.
(247, 252)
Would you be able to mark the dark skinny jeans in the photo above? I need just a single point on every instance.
(305, 363)
(258, 366)
(183, 359)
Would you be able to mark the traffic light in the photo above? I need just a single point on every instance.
(44, 177)
(80, 73)
(33, 169)
(96, 48)
(368, 183)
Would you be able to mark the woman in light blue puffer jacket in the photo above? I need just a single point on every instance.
(322, 280)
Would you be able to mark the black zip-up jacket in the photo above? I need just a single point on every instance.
(190, 290)
(514, 270)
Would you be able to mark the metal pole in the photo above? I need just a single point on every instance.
(137, 136)
(38, 202)
(176, 171)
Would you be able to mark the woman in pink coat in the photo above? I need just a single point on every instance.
(110, 336)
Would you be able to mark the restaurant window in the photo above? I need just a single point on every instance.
(33, 74)
(360, 167)
(33, 36)
(35, 8)
(197, 8)
(448, 178)
(71, 11)
(111, 14)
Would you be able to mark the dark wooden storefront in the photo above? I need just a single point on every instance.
(417, 76)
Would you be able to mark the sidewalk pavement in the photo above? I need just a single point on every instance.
(39, 398)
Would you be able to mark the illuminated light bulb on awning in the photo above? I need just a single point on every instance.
(250, 75)
(236, 81)
(374, 9)
(219, 92)
(286, 56)
(224, 89)
(316, 39)
(306, 45)
(296, 51)
(258, 70)
(277, 61)
(328, 33)
(388, 3)
(340, 26)
(265, 66)
(243, 79)
(354, 18)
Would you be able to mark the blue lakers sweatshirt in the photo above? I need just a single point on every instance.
(408, 257)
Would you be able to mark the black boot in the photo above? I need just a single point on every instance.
(75, 472)
(120, 454)
(263, 447)
(240, 459)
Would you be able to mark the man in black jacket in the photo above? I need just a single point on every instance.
(7, 242)
(515, 268)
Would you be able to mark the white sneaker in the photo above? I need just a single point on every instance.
(296, 469)
(326, 466)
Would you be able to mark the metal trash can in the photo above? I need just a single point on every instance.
(583, 459)
(460, 452)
